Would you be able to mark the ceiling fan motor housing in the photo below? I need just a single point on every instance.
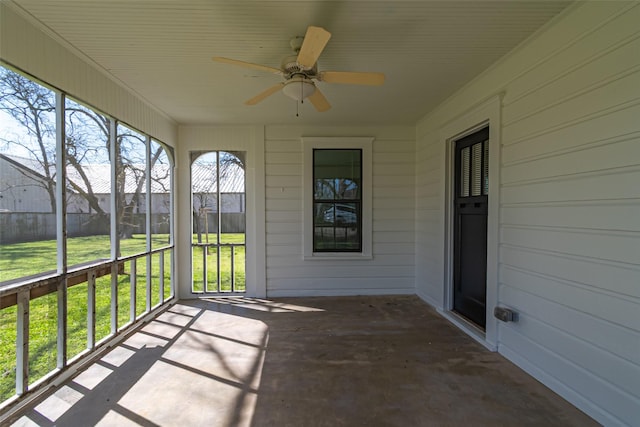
(290, 67)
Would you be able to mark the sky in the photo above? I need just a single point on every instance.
(11, 130)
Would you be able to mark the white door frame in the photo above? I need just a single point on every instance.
(485, 114)
(249, 139)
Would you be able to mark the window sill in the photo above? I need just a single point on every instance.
(331, 256)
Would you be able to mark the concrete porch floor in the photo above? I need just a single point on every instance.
(347, 361)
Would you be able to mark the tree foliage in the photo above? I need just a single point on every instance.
(33, 107)
(87, 143)
(205, 168)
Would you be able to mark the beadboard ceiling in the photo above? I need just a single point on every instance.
(162, 50)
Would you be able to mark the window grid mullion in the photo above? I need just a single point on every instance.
(336, 203)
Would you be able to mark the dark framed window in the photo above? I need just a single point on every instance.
(337, 200)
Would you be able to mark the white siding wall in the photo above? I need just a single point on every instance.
(391, 271)
(570, 205)
(430, 224)
(20, 191)
(39, 54)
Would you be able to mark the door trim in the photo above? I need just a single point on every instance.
(484, 114)
(225, 138)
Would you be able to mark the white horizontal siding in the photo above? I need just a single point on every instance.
(595, 245)
(429, 218)
(619, 215)
(569, 258)
(604, 186)
(391, 270)
(580, 270)
(594, 39)
(30, 49)
(605, 98)
(619, 342)
(601, 305)
(620, 151)
(599, 362)
(564, 372)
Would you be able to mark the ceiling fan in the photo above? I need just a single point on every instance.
(300, 71)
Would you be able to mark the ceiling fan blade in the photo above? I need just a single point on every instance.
(353, 78)
(314, 42)
(247, 65)
(262, 95)
(319, 101)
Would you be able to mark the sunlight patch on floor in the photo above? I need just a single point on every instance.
(262, 305)
(93, 376)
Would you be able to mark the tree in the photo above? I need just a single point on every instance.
(130, 175)
(205, 167)
(203, 185)
(33, 107)
(87, 143)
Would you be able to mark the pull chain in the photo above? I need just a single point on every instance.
(301, 99)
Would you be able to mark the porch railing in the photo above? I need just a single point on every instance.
(225, 267)
(23, 293)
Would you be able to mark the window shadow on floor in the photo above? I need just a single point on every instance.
(300, 362)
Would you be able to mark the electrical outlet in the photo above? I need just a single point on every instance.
(505, 314)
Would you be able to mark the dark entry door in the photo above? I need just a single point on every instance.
(470, 226)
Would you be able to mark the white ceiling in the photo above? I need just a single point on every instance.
(162, 50)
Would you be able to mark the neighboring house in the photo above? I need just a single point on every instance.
(29, 215)
(563, 239)
(232, 181)
(22, 188)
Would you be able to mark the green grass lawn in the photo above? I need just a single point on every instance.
(225, 264)
(24, 259)
(16, 262)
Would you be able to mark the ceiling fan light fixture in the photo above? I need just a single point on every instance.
(299, 88)
(300, 71)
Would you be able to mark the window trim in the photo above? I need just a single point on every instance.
(365, 144)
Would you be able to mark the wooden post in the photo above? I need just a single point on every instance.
(22, 343)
